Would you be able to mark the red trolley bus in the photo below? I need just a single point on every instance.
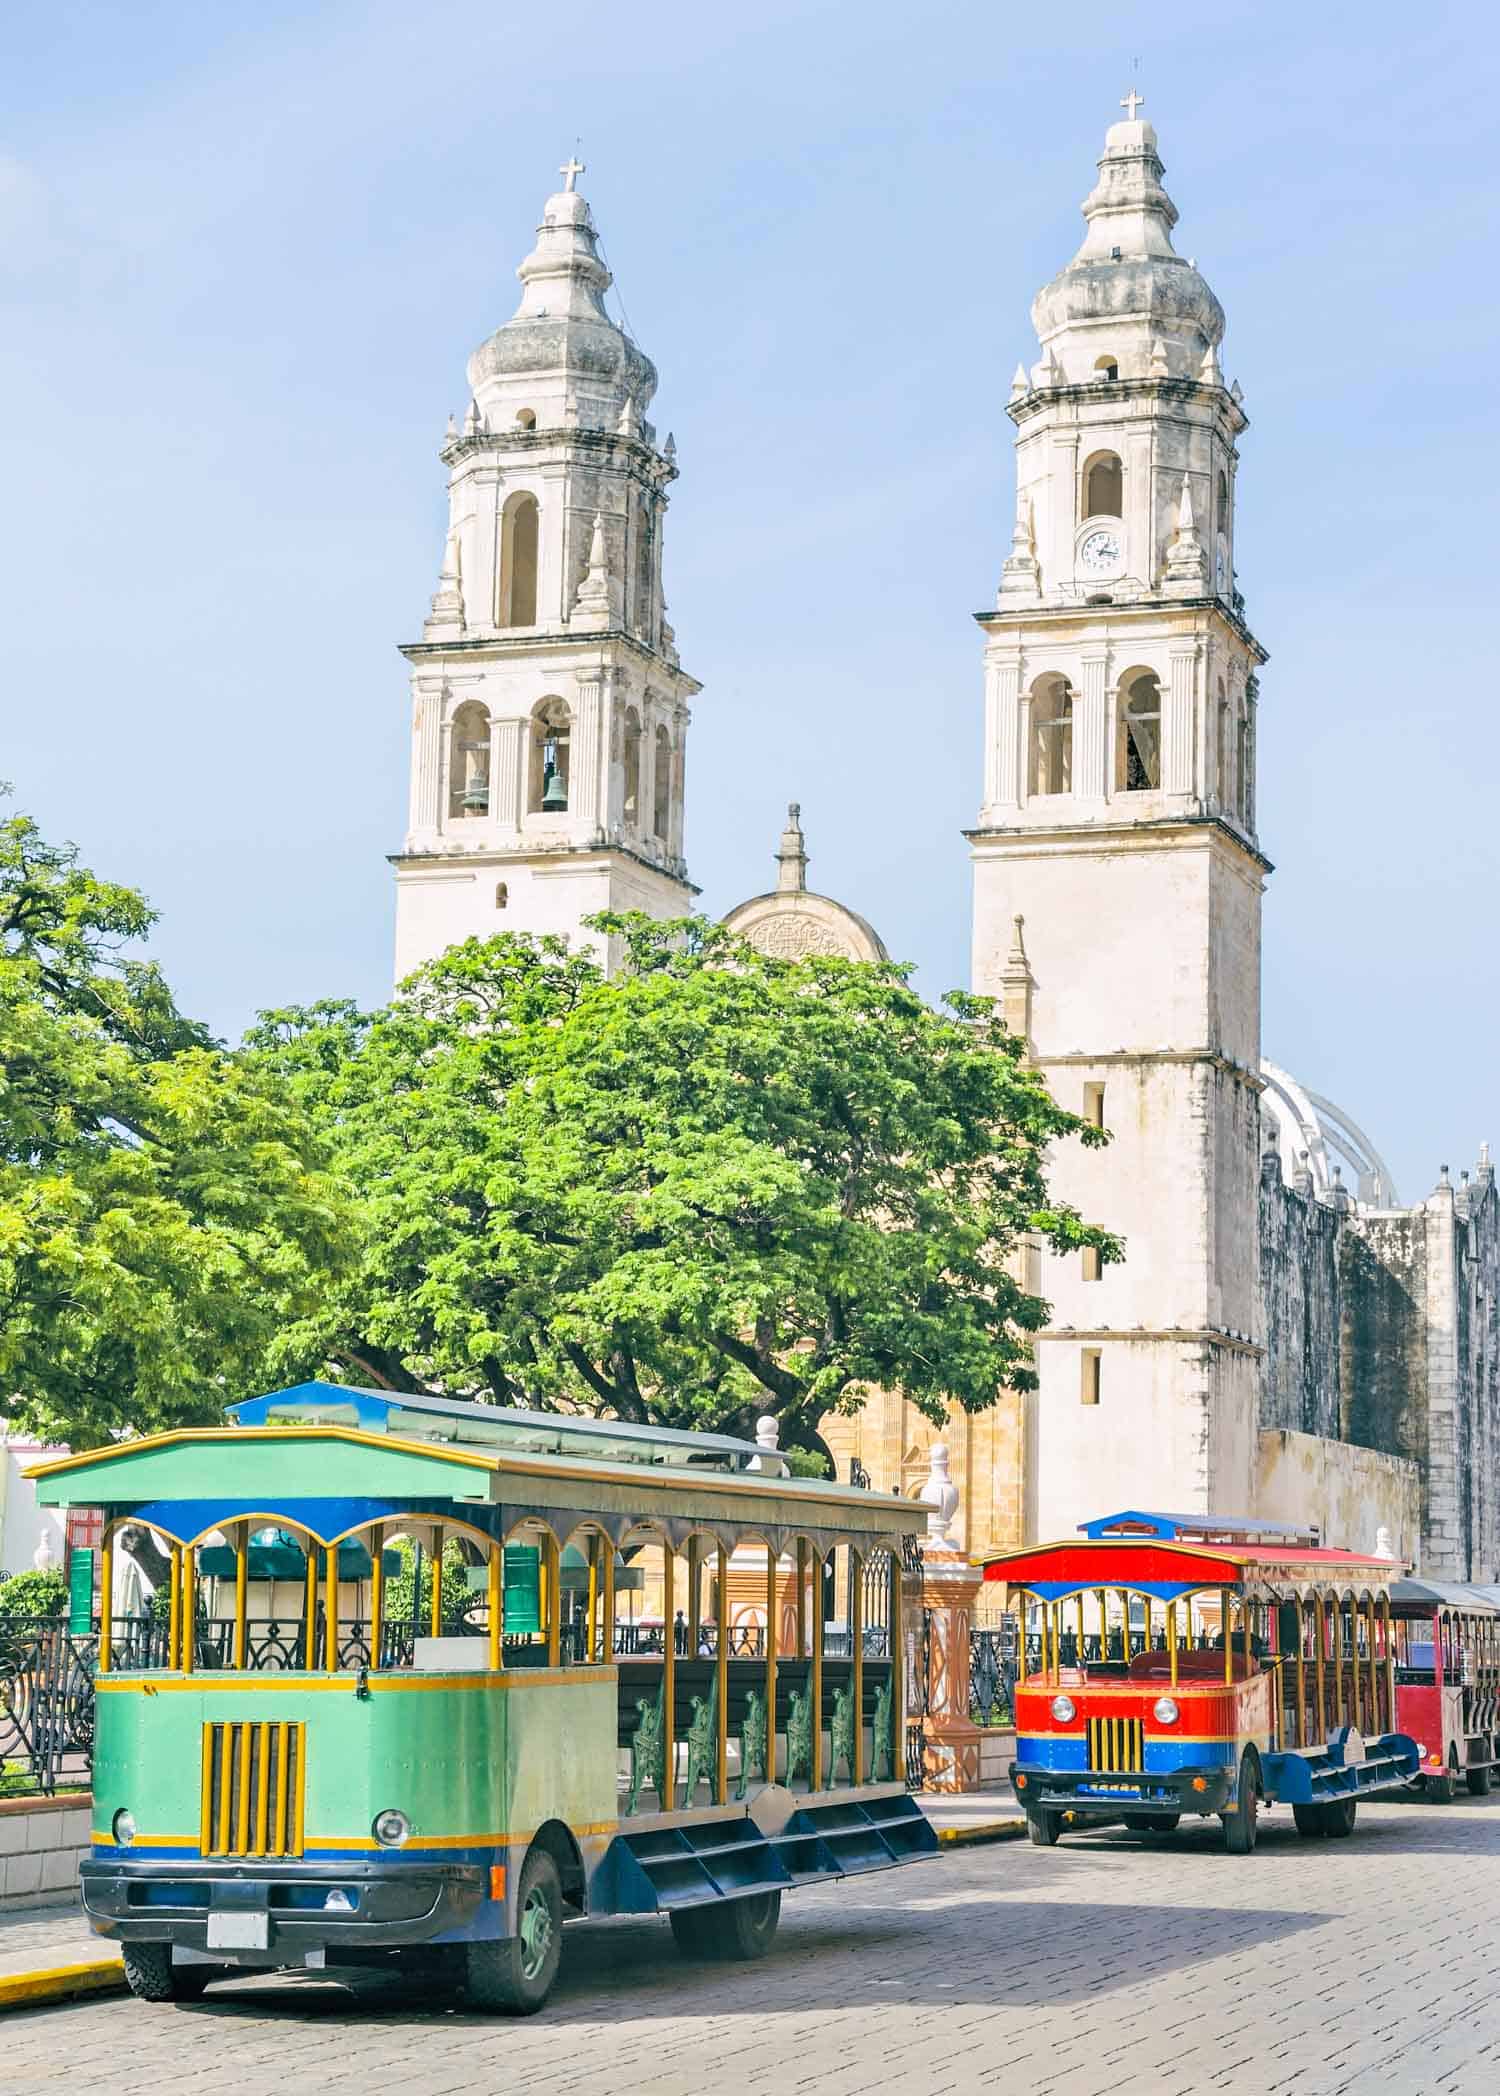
(1183, 1663)
(1448, 1682)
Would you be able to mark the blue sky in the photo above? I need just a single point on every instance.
(245, 253)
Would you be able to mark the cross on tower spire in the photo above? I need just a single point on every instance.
(572, 168)
(1129, 103)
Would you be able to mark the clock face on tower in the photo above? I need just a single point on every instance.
(1100, 552)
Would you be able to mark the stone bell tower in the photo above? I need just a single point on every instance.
(549, 709)
(1118, 821)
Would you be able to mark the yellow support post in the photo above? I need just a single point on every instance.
(377, 1592)
(552, 1559)
(770, 1664)
(695, 1595)
(592, 1653)
(1301, 1675)
(721, 1669)
(1226, 1634)
(174, 1605)
(496, 1592)
(106, 1593)
(206, 1795)
(1172, 1642)
(435, 1609)
(608, 1639)
(1320, 1681)
(331, 1609)
(898, 1670)
(310, 1610)
(187, 1621)
(816, 1683)
(857, 1654)
(801, 1598)
(241, 1594)
(668, 1677)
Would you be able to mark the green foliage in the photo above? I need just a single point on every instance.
(163, 1213)
(407, 1596)
(807, 1462)
(36, 1593)
(721, 1185)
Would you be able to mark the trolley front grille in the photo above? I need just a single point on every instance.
(1116, 1746)
(254, 1782)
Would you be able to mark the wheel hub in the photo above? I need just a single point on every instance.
(536, 1933)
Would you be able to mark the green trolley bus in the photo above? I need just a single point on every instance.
(289, 1775)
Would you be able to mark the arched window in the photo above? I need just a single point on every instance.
(661, 785)
(1107, 369)
(502, 894)
(632, 760)
(645, 572)
(548, 791)
(1242, 765)
(1103, 486)
(469, 762)
(1051, 736)
(1223, 501)
(525, 418)
(518, 548)
(1139, 769)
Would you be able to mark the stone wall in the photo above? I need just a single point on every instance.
(42, 1842)
(1350, 1493)
(1299, 1266)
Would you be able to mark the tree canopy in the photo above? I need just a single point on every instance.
(163, 1213)
(720, 1185)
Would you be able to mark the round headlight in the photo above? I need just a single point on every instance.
(122, 1826)
(1164, 1710)
(1062, 1708)
(391, 1829)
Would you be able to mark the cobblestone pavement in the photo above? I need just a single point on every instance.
(1106, 1965)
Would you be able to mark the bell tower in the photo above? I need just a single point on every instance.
(1119, 821)
(549, 708)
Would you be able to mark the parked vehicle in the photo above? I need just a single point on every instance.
(1448, 1682)
(1203, 1664)
(316, 1793)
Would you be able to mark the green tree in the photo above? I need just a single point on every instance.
(721, 1185)
(162, 1212)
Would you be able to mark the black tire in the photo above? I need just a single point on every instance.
(1339, 1817)
(1480, 1781)
(151, 1976)
(1308, 1820)
(515, 1977)
(1441, 1790)
(732, 1930)
(1043, 1827)
(1240, 1827)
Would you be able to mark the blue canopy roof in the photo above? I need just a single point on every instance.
(1169, 1528)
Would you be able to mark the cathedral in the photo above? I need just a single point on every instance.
(1276, 1340)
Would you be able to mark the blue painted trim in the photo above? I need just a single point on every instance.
(1158, 1589)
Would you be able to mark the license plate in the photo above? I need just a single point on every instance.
(239, 1931)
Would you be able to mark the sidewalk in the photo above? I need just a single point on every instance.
(50, 1951)
(973, 1816)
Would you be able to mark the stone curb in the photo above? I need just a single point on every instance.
(19, 1990)
(986, 1830)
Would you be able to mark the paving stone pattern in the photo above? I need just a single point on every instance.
(1106, 1967)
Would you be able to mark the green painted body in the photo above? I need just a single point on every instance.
(490, 1764)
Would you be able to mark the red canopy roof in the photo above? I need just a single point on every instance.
(1152, 1564)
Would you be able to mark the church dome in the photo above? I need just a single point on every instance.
(792, 922)
(561, 332)
(1127, 271)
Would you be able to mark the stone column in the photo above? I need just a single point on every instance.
(426, 759)
(1177, 728)
(507, 771)
(1090, 711)
(584, 800)
(949, 1587)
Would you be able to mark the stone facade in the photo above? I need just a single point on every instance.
(549, 708)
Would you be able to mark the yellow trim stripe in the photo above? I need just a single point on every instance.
(342, 1684)
(195, 1436)
(53, 1982)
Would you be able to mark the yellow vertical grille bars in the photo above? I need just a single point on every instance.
(1116, 1746)
(254, 1789)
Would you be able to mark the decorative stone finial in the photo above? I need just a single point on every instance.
(1186, 571)
(450, 434)
(447, 613)
(471, 420)
(940, 1496)
(1021, 575)
(791, 854)
(1209, 373)
(44, 1555)
(669, 449)
(629, 424)
(1020, 384)
(770, 1462)
(591, 606)
(1486, 1169)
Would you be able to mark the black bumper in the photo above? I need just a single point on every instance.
(1101, 1794)
(136, 1901)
